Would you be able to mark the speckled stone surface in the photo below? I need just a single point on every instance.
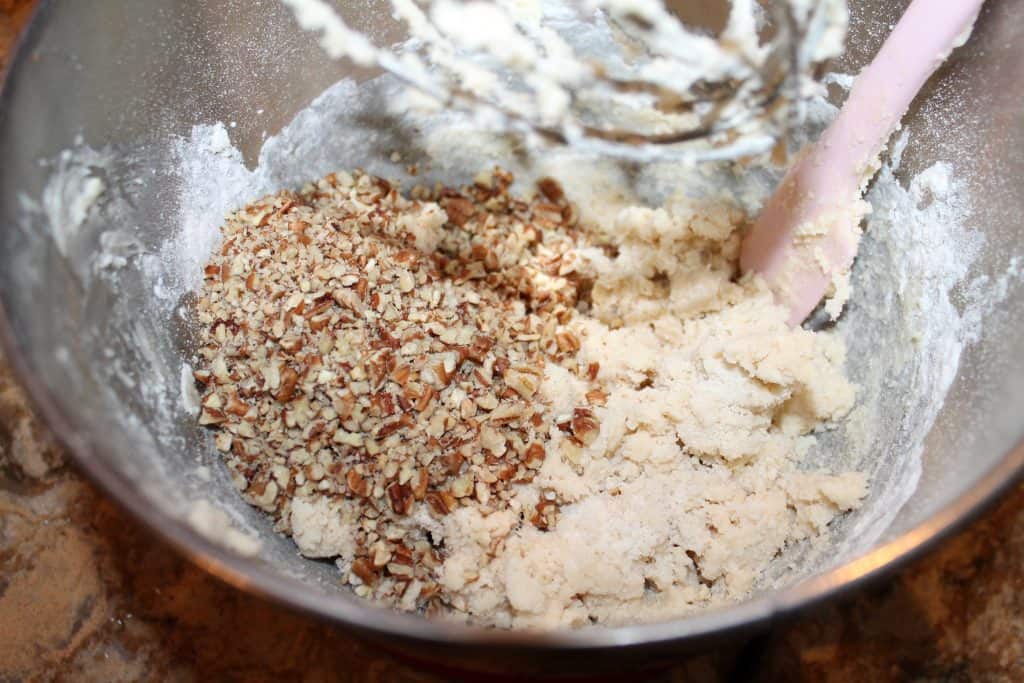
(86, 594)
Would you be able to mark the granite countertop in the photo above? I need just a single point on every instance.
(87, 594)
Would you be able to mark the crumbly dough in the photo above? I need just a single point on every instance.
(706, 402)
(693, 485)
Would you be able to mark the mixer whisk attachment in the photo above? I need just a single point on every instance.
(621, 77)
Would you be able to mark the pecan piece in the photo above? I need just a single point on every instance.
(551, 189)
(289, 379)
(401, 497)
(584, 426)
(363, 568)
(459, 210)
(357, 484)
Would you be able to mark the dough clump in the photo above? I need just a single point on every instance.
(532, 412)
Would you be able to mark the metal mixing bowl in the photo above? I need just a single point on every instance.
(132, 74)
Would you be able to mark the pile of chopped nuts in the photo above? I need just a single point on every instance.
(356, 344)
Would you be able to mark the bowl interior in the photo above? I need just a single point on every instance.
(112, 149)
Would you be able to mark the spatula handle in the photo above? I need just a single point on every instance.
(832, 173)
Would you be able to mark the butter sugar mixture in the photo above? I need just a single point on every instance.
(507, 410)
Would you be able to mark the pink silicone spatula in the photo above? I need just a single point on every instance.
(806, 236)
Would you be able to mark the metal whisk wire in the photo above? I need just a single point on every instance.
(657, 89)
